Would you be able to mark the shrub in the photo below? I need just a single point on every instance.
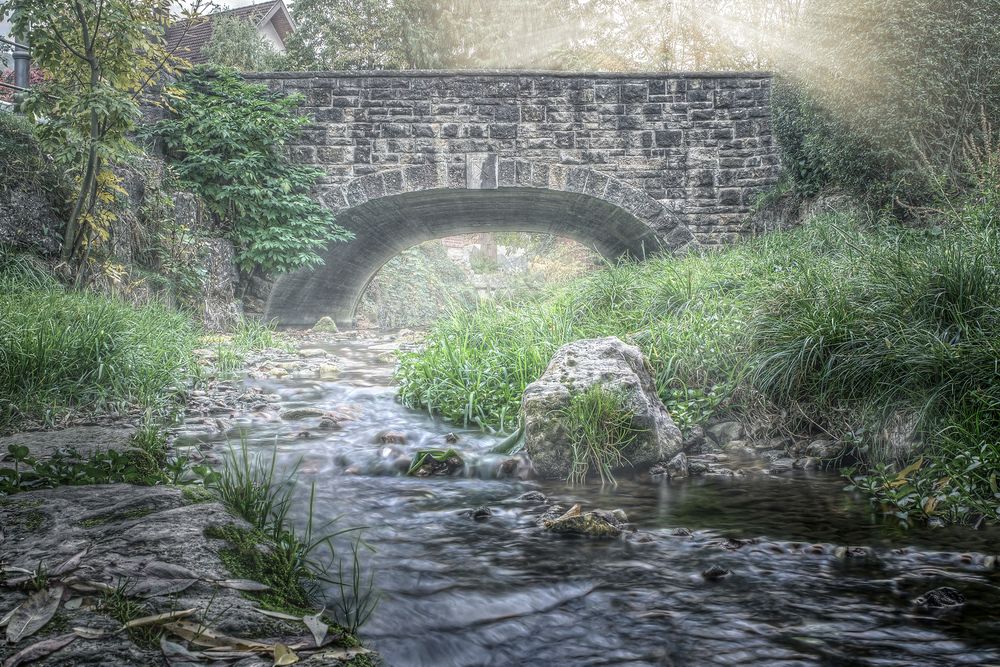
(888, 90)
(226, 140)
(236, 43)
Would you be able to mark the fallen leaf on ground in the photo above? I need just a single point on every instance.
(158, 618)
(6, 617)
(178, 656)
(89, 633)
(284, 655)
(317, 627)
(33, 613)
(277, 614)
(161, 570)
(69, 564)
(39, 650)
(202, 635)
(243, 585)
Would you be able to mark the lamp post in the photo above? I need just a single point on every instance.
(22, 59)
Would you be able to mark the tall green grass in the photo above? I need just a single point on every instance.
(849, 323)
(65, 351)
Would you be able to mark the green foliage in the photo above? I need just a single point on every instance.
(63, 351)
(346, 35)
(414, 288)
(852, 325)
(881, 106)
(604, 35)
(142, 463)
(236, 43)
(226, 140)
(98, 58)
(599, 427)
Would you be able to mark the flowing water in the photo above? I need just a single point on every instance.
(456, 591)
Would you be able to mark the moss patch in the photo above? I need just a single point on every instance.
(119, 516)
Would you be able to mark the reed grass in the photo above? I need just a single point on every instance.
(64, 351)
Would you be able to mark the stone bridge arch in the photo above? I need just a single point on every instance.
(395, 209)
(625, 162)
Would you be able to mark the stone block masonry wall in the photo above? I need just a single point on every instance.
(700, 144)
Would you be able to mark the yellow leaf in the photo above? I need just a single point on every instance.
(284, 655)
(910, 469)
(930, 504)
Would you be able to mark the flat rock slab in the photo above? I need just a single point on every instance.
(86, 440)
(128, 531)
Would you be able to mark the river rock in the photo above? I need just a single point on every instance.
(292, 414)
(940, 598)
(575, 368)
(716, 573)
(533, 497)
(598, 523)
(311, 352)
(723, 433)
(325, 325)
(328, 371)
(824, 450)
(392, 438)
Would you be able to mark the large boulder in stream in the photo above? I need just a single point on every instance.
(576, 369)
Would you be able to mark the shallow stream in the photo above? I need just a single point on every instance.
(456, 591)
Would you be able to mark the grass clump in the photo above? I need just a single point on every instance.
(68, 352)
(295, 562)
(600, 429)
(845, 325)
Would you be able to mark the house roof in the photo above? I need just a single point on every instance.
(187, 39)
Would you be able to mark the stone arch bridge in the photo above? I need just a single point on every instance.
(628, 164)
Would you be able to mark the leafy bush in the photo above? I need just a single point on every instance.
(63, 351)
(888, 91)
(226, 140)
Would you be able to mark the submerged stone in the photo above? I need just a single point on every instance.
(715, 573)
(940, 598)
(597, 523)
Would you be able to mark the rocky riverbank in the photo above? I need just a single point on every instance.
(129, 574)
